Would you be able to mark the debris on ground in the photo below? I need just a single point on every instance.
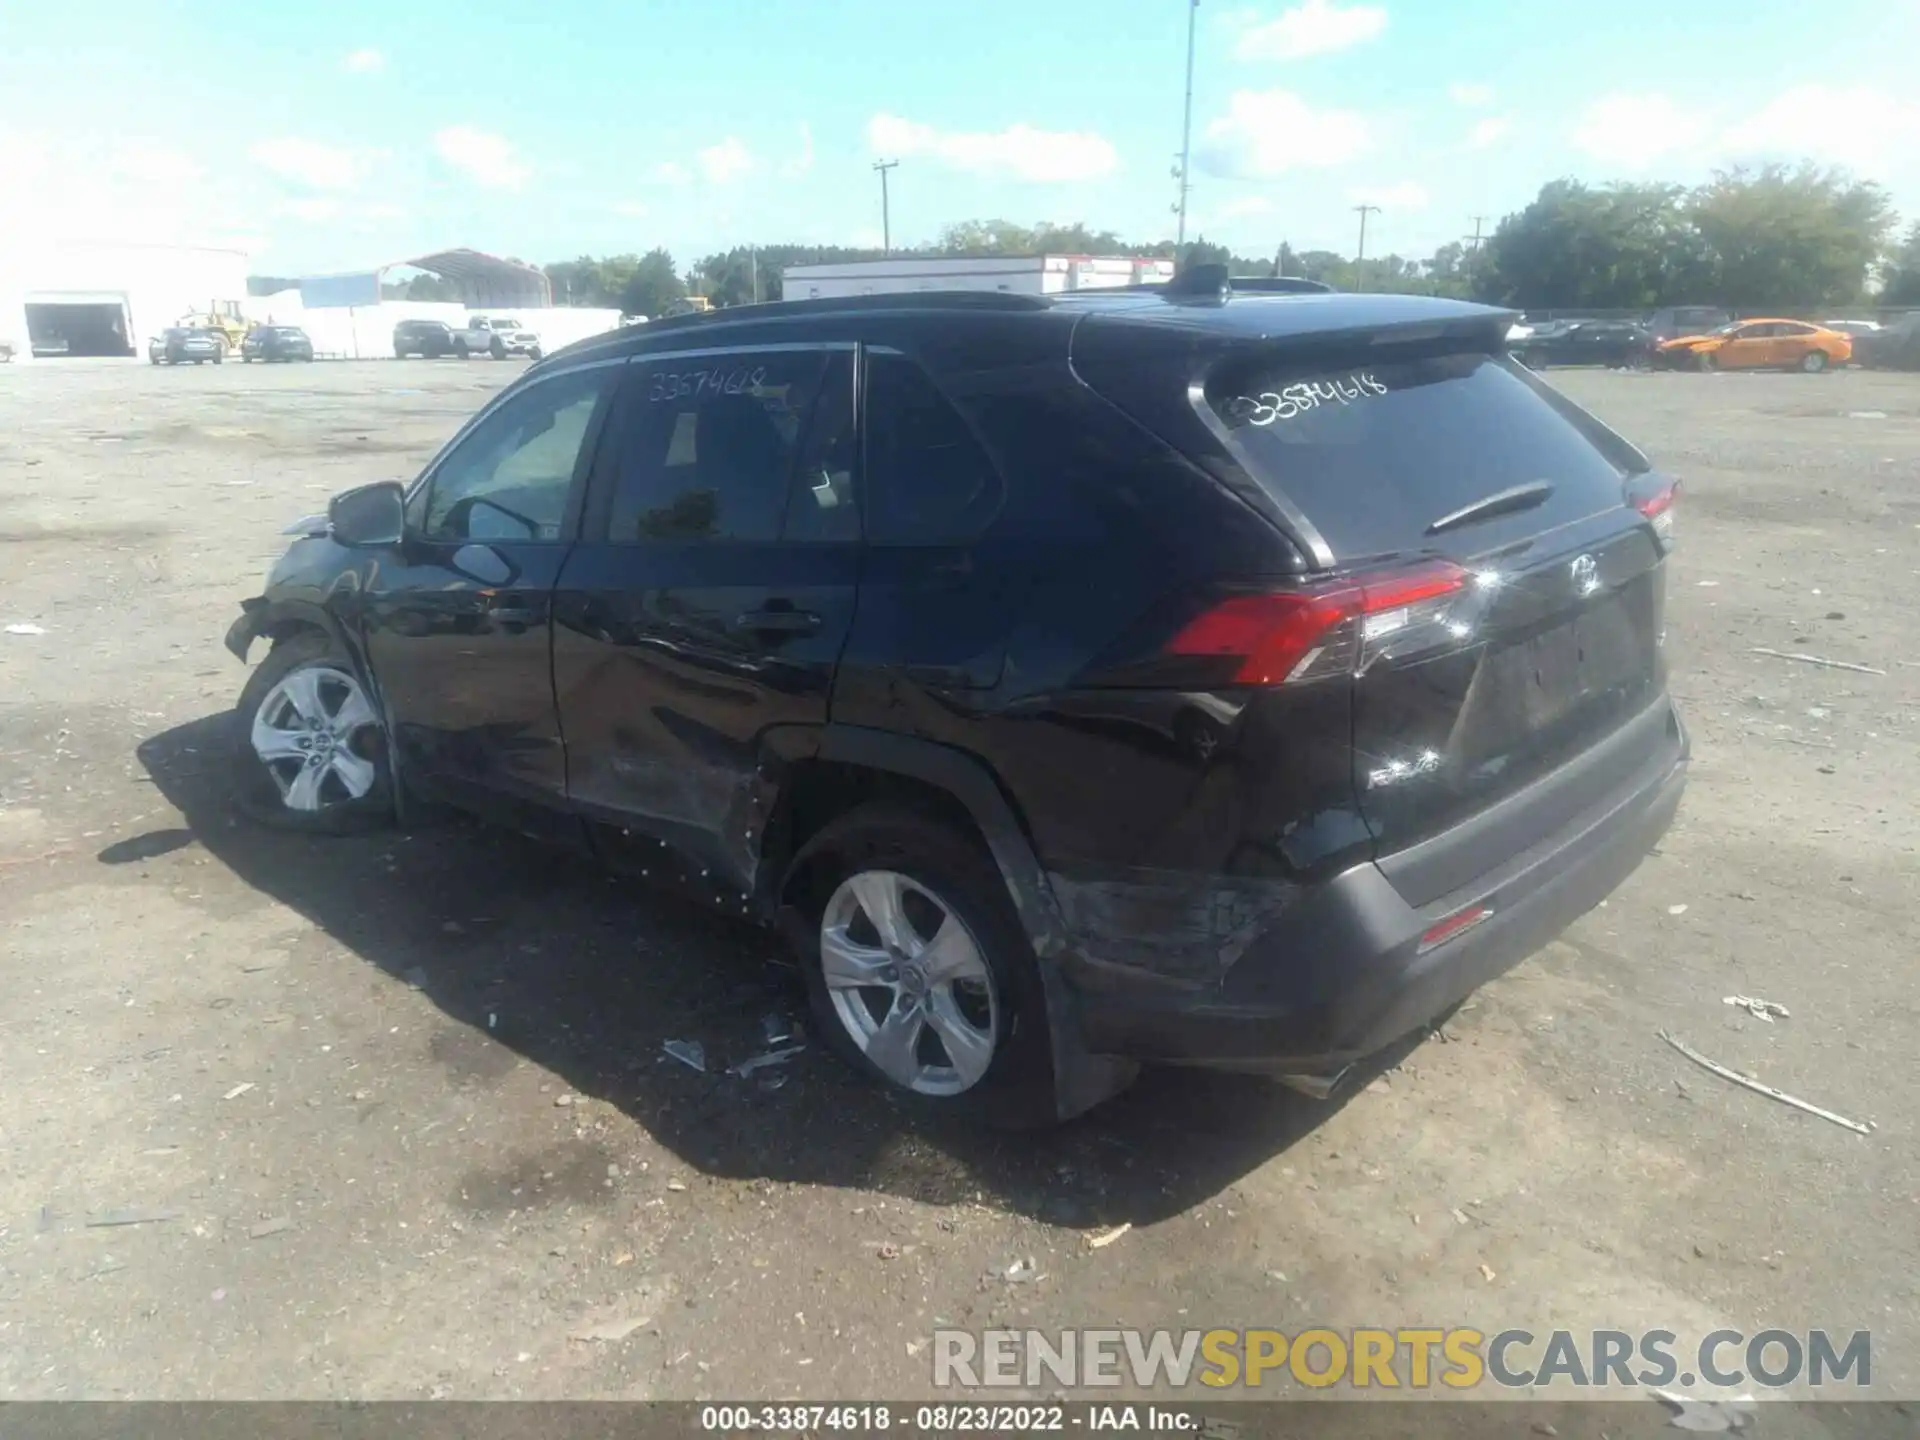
(1461, 1217)
(888, 1251)
(131, 1215)
(1487, 1273)
(1711, 1416)
(690, 1053)
(676, 1184)
(26, 627)
(777, 1030)
(1817, 660)
(609, 1331)
(276, 1226)
(1676, 909)
(237, 1091)
(1107, 1237)
(1760, 1087)
(566, 1100)
(1758, 1008)
(1022, 1272)
(761, 1062)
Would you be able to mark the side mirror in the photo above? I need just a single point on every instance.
(370, 516)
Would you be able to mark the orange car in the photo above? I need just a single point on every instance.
(1757, 345)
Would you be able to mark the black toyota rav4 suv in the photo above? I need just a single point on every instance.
(1153, 676)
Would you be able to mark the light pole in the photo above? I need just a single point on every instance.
(886, 219)
(1364, 211)
(1186, 136)
(753, 264)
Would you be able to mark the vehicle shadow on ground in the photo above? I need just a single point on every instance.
(588, 975)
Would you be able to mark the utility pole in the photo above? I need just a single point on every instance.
(886, 219)
(1473, 245)
(753, 264)
(1186, 137)
(1364, 211)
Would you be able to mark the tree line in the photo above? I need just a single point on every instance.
(1792, 238)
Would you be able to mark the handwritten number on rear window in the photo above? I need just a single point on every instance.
(1309, 395)
(696, 384)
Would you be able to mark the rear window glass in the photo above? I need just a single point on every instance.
(1374, 454)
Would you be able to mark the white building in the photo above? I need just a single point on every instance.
(105, 297)
(1017, 275)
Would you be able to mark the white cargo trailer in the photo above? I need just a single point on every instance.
(1016, 275)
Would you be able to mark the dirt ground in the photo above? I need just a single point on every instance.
(398, 1116)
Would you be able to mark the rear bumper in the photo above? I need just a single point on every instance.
(1341, 974)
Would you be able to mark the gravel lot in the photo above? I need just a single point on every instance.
(403, 1097)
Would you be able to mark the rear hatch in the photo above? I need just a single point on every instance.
(1487, 559)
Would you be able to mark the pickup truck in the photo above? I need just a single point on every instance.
(495, 336)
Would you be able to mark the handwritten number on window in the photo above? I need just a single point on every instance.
(696, 384)
(1308, 395)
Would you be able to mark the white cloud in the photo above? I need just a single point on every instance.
(1860, 127)
(311, 207)
(803, 162)
(671, 172)
(1405, 196)
(147, 162)
(309, 163)
(1318, 27)
(631, 209)
(363, 62)
(1487, 132)
(728, 160)
(1246, 205)
(1269, 132)
(486, 159)
(1474, 97)
(1020, 151)
(1635, 131)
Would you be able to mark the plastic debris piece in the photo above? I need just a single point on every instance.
(1710, 1416)
(131, 1215)
(1107, 1237)
(1760, 1088)
(1487, 1273)
(1676, 909)
(280, 1224)
(1758, 1008)
(1816, 660)
(690, 1053)
(26, 627)
(237, 1091)
(563, 1101)
(776, 1029)
(1023, 1272)
(761, 1062)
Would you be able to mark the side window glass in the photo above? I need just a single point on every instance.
(710, 446)
(928, 481)
(822, 506)
(509, 478)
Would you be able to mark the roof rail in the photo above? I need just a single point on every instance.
(1279, 285)
(992, 300)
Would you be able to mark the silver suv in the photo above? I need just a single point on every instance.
(496, 336)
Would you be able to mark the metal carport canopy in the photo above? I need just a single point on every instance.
(488, 279)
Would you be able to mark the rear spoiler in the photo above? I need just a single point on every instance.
(1211, 284)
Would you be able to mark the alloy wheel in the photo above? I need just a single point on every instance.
(315, 733)
(908, 981)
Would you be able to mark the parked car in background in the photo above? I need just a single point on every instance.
(428, 338)
(1619, 343)
(1678, 320)
(1758, 345)
(276, 342)
(496, 336)
(1894, 346)
(230, 329)
(1359, 699)
(181, 345)
(1854, 329)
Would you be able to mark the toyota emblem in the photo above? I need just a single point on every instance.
(1586, 575)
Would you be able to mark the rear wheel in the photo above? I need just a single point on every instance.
(918, 970)
(497, 350)
(310, 752)
(1814, 361)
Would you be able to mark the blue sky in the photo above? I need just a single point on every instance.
(334, 136)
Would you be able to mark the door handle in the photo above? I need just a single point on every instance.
(778, 622)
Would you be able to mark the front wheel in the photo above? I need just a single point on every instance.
(460, 349)
(310, 752)
(1705, 361)
(497, 350)
(917, 968)
(1814, 361)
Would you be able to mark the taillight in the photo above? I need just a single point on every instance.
(1657, 505)
(1286, 637)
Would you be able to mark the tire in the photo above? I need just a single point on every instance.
(1813, 362)
(398, 353)
(1705, 361)
(270, 706)
(460, 349)
(1005, 1077)
(497, 350)
(533, 355)
(246, 359)
(219, 357)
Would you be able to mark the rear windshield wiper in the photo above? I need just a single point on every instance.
(1503, 502)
